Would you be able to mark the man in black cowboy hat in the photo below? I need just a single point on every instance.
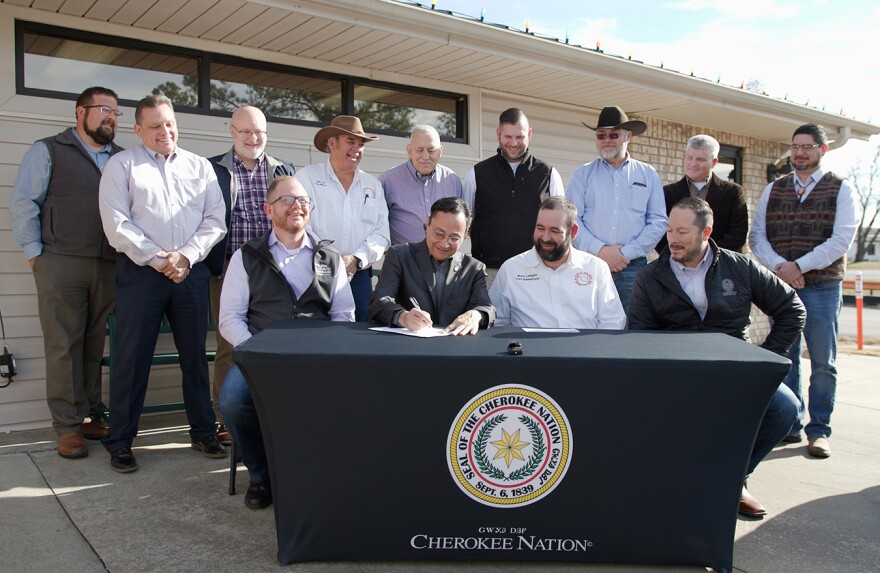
(505, 192)
(348, 204)
(620, 201)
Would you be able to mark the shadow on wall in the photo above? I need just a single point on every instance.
(835, 534)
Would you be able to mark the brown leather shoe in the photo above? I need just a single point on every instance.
(224, 436)
(749, 506)
(95, 430)
(72, 445)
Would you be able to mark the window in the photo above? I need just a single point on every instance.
(729, 166)
(56, 62)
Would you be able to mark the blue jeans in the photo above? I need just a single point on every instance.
(240, 416)
(361, 290)
(624, 280)
(822, 301)
(781, 413)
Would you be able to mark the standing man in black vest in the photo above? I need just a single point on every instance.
(287, 273)
(505, 192)
(244, 173)
(804, 224)
(55, 220)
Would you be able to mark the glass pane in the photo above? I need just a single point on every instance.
(277, 94)
(71, 66)
(383, 108)
(725, 169)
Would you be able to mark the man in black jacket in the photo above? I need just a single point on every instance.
(726, 198)
(286, 273)
(695, 285)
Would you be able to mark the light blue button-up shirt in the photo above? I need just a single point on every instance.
(623, 206)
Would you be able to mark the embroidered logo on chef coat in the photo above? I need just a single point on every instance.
(509, 446)
(583, 278)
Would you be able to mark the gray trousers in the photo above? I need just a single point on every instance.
(74, 297)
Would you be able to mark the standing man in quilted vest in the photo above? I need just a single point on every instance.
(804, 224)
(55, 220)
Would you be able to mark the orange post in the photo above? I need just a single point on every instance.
(859, 303)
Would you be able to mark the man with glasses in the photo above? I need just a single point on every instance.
(162, 211)
(505, 192)
(554, 285)
(55, 220)
(244, 173)
(273, 277)
(413, 186)
(430, 282)
(804, 224)
(620, 202)
(353, 213)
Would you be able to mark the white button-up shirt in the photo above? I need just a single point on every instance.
(296, 266)
(150, 203)
(356, 221)
(578, 294)
(693, 281)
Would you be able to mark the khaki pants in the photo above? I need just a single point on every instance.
(74, 297)
(223, 359)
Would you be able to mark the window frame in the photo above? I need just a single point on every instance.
(204, 61)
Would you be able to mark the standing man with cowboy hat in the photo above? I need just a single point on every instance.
(348, 204)
(620, 201)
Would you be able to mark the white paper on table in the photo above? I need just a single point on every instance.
(424, 333)
(564, 330)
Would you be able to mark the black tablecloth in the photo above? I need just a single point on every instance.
(358, 427)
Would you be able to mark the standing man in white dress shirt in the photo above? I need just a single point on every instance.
(348, 204)
(804, 225)
(162, 210)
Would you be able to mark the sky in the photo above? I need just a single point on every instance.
(819, 51)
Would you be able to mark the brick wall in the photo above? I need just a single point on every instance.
(663, 146)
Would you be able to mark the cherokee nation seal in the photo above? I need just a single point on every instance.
(509, 446)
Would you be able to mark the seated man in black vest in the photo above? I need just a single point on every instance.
(273, 278)
(430, 282)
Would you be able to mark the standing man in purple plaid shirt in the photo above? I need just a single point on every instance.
(244, 174)
(412, 187)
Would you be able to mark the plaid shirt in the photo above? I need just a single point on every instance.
(248, 218)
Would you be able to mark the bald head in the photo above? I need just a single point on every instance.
(248, 130)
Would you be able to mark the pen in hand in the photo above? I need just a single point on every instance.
(414, 303)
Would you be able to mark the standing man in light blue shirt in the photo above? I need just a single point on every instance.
(620, 201)
(55, 220)
(162, 210)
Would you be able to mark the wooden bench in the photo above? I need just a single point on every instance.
(159, 359)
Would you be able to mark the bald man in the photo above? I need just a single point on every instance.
(244, 173)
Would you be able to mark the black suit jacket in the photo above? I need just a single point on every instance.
(408, 272)
(729, 209)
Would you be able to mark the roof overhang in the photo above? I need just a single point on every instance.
(410, 41)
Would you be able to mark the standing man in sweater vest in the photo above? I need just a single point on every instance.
(505, 192)
(56, 222)
(804, 224)
(244, 173)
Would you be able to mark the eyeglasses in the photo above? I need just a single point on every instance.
(441, 236)
(604, 136)
(289, 200)
(247, 133)
(807, 147)
(105, 109)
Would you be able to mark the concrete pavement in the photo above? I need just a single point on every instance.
(174, 513)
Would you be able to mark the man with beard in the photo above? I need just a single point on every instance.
(620, 202)
(695, 285)
(162, 210)
(505, 191)
(244, 173)
(431, 282)
(55, 220)
(804, 224)
(273, 278)
(554, 285)
(349, 205)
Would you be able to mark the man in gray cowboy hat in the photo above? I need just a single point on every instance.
(620, 201)
(348, 204)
